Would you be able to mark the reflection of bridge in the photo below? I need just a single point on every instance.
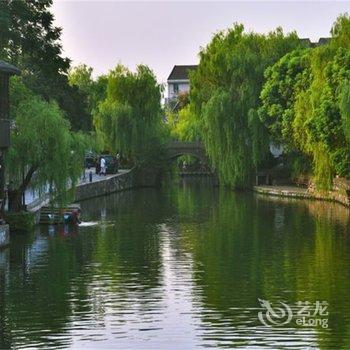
(178, 148)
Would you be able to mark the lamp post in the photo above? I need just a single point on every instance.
(6, 70)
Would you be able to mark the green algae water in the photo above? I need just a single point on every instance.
(183, 267)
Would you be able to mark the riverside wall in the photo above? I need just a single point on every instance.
(340, 192)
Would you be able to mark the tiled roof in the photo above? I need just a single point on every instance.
(323, 41)
(181, 72)
(308, 43)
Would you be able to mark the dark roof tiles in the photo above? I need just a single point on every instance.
(181, 72)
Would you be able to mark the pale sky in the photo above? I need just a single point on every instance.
(163, 34)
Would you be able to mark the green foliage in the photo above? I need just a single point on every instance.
(305, 104)
(43, 149)
(95, 90)
(184, 124)
(341, 31)
(22, 221)
(344, 105)
(283, 81)
(129, 119)
(235, 161)
(225, 93)
(92, 91)
(29, 40)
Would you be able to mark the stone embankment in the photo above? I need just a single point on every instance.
(340, 192)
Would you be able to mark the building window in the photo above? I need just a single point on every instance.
(176, 88)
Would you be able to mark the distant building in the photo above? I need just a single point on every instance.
(179, 81)
(308, 43)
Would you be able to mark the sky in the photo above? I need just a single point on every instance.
(102, 34)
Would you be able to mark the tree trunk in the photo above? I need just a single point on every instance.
(15, 201)
(15, 196)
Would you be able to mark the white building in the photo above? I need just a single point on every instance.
(178, 81)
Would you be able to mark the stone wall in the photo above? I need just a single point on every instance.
(115, 183)
(340, 192)
(4, 235)
(106, 186)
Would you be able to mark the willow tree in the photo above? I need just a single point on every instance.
(129, 120)
(44, 153)
(225, 93)
(305, 104)
(184, 124)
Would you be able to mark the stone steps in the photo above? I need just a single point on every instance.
(54, 216)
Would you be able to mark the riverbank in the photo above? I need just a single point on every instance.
(339, 193)
(104, 185)
(100, 186)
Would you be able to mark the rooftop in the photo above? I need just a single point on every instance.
(8, 68)
(307, 42)
(181, 72)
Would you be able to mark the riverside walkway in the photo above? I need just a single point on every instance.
(338, 194)
(284, 191)
(32, 198)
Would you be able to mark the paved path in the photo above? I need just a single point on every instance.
(337, 195)
(284, 191)
(31, 196)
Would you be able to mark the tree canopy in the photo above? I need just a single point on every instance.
(44, 152)
(129, 120)
(224, 96)
(29, 40)
(305, 104)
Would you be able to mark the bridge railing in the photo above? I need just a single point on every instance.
(184, 144)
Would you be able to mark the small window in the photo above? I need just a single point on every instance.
(176, 88)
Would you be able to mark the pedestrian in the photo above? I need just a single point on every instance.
(103, 166)
(117, 162)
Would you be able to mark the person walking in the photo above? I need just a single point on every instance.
(117, 162)
(103, 166)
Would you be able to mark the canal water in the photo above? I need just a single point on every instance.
(183, 267)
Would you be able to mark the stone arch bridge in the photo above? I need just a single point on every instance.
(179, 148)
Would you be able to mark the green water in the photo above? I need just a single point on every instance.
(179, 268)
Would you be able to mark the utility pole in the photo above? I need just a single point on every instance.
(6, 70)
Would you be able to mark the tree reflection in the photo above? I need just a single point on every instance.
(281, 250)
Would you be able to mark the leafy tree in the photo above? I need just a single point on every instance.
(344, 105)
(92, 91)
(225, 91)
(95, 89)
(129, 120)
(283, 81)
(185, 125)
(305, 104)
(44, 152)
(29, 39)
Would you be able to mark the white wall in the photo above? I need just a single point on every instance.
(183, 87)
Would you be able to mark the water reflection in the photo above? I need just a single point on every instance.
(180, 267)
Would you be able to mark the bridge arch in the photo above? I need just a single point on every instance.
(177, 149)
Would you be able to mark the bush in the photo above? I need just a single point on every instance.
(21, 221)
